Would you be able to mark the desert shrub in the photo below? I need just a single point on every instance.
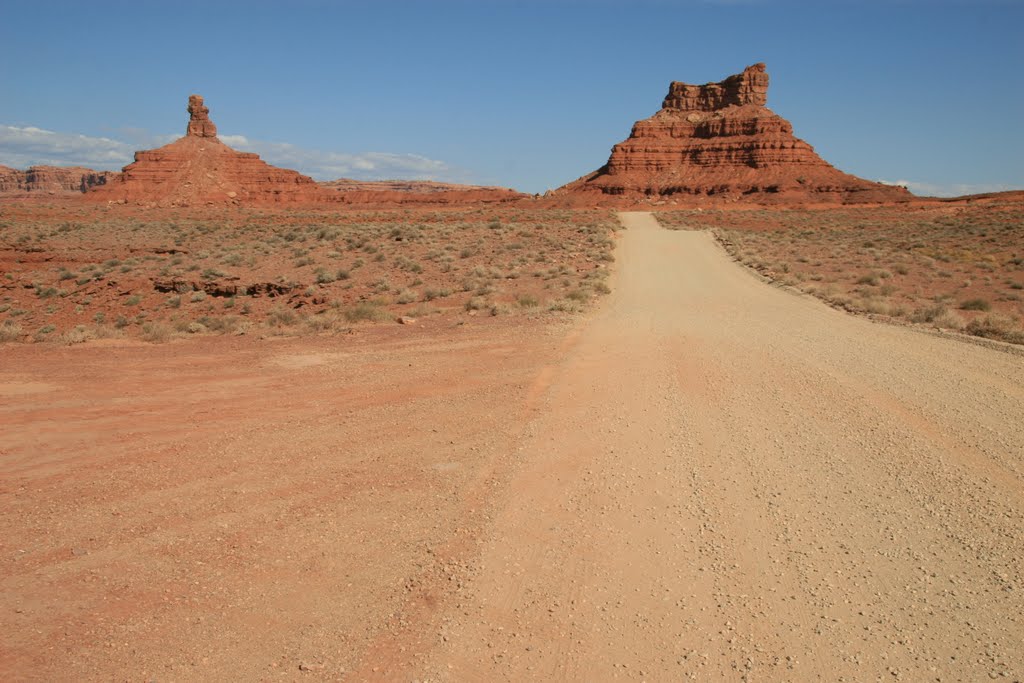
(223, 324)
(927, 314)
(430, 294)
(421, 311)
(407, 296)
(565, 306)
(877, 306)
(948, 320)
(996, 326)
(975, 305)
(365, 311)
(77, 335)
(281, 317)
(528, 301)
(10, 331)
(476, 303)
(871, 279)
(157, 332)
(322, 322)
(43, 332)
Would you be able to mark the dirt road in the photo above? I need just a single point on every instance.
(706, 478)
(729, 482)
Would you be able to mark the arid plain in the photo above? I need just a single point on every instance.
(678, 420)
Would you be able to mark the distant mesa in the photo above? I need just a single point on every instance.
(49, 180)
(199, 169)
(720, 140)
(420, 192)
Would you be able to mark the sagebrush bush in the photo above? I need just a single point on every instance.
(996, 326)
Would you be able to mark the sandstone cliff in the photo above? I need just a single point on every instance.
(720, 140)
(49, 180)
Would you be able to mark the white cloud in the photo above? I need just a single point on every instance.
(926, 189)
(332, 165)
(21, 147)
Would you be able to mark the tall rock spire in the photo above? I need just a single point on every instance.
(199, 123)
(199, 169)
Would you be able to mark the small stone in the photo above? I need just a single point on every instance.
(406, 320)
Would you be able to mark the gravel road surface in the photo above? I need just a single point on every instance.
(726, 481)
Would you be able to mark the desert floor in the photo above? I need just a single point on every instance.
(703, 477)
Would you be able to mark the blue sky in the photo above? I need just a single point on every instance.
(529, 94)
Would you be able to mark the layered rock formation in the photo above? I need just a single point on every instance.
(351, 191)
(49, 180)
(200, 169)
(720, 140)
(199, 123)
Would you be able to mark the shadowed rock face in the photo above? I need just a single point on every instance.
(720, 139)
(199, 169)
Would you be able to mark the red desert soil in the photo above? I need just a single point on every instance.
(702, 478)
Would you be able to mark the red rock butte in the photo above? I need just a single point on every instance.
(720, 140)
(199, 169)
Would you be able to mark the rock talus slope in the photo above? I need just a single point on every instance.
(200, 169)
(721, 140)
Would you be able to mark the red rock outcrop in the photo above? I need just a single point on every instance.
(384, 192)
(720, 140)
(200, 169)
(199, 123)
(49, 180)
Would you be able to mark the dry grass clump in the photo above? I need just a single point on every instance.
(10, 331)
(914, 264)
(366, 311)
(157, 332)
